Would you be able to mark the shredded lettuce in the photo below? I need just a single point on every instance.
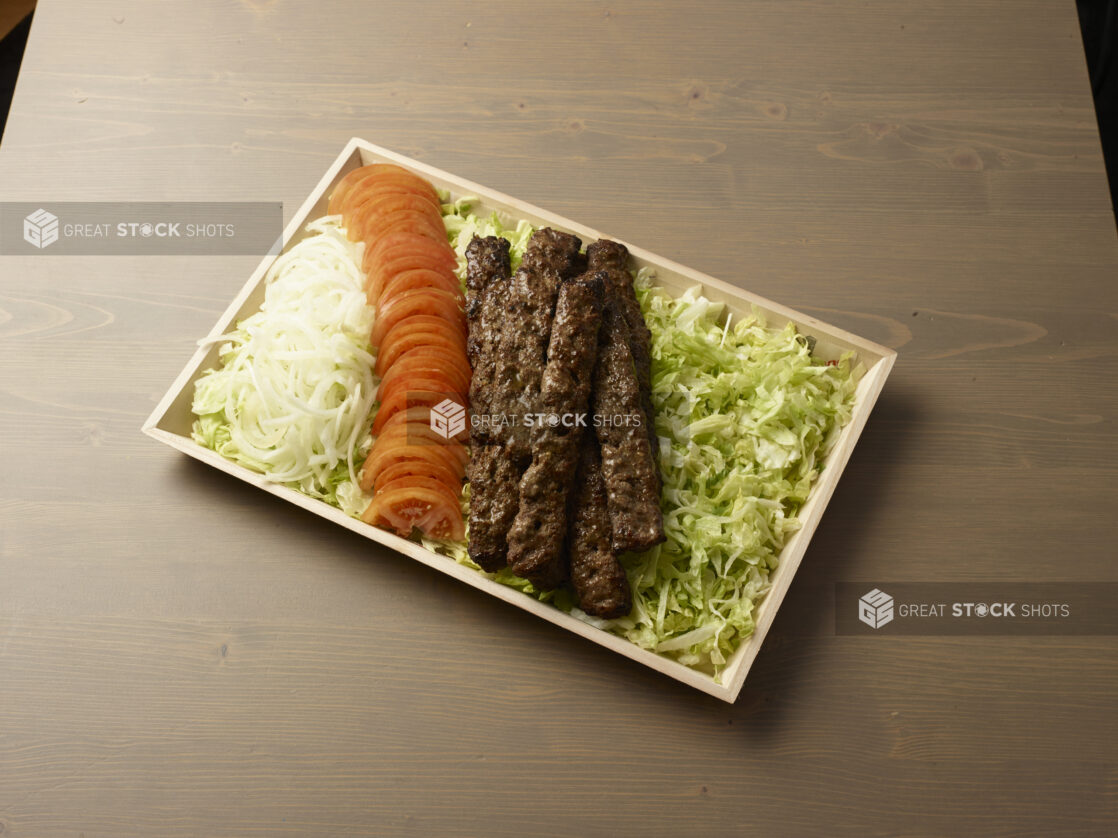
(292, 395)
(745, 414)
(462, 224)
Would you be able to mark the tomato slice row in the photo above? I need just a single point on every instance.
(403, 251)
(404, 338)
(419, 301)
(414, 468)
(427, 326)
(434, 364)
(421, 278)
(402, 400)
(418, 460)
(381, 179)
(398, 449)
(430, 508)
(388, 207)
(403, 221)
(346, 184)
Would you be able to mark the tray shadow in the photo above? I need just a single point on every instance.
(787, 658)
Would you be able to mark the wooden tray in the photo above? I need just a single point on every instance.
(172, 419)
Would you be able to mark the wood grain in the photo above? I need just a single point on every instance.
(179, 655)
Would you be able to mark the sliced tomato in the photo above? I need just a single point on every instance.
(370, 230)
(389, 202)
(385, 254)
(384, 199)
(428, 301)
(377, 275)
(424, 380)
(383, 206)
(420, 278)
(417, 468)
(405, 221)
(397, 449)
(403, 401)
(401, 446)
(376, 281)
(421, 434)
(405, 245)
(388, 174)
(409, 480)
(415, 479)
(452, 359)
(417, 414)
(405, 240)
(432, 322)
(396, 345)
(423, 324)
(342, 196)
(430, 510)
(344, 185)
(378, 181)
(429, 365)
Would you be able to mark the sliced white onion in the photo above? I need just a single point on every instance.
(296, 385)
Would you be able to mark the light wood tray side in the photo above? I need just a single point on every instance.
(171, 420)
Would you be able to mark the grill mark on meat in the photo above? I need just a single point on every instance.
(518, 319)
(489, 470)
(613, 258)
(537, 536)
(631, 475)
(493, 480)
(600, 583)
(486, 259)
(550, 249)
(487, 293)
(550, 258)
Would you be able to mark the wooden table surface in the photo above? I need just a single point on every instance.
(182, 655)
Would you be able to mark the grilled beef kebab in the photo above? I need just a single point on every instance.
(537, 539)
(515, 337)
(489, 471)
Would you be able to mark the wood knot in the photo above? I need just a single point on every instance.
(881, 130)
(966, 159)
(776, 110)
(697, 94)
